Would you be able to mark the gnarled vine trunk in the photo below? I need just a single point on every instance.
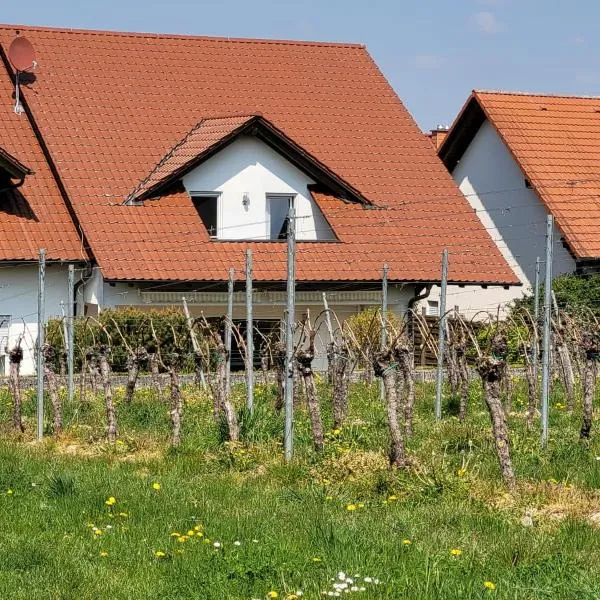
(304, 360)
(105, 375)
(340, 370)
(222, 401)
(403, 353)
(384, 367)
(565, 369)
(532, 386)
(491, 371)
(153, 363)
(279, 353)
(15, 357)
(133, 369)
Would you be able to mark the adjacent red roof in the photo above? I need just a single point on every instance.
(34, 215)
(110, 106)
(556, 142)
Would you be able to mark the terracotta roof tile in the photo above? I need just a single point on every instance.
(34, 215)
(556, 141)
(198, 140)
(110, 105)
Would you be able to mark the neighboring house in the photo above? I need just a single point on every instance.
(175, 154)
(517, 158)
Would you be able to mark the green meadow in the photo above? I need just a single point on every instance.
(80, 519)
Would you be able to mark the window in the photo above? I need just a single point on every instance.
(206, 206)
(433, 308)
(278, 206)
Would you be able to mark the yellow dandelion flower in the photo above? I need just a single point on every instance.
(272, 594)
(351, 507)
(97, 531)
(456, 551)
(392, 498)
(9, 492)
(199, 534)
(182, 538)
(159, 554)
(103, 553)
(407, 542)
(156, 486)
(317, 559)
(190, 532)
(328, 498)
(361, 505)
(197, 527)
(461, 472)
(490, 585)
(123, 514)
(111, 501)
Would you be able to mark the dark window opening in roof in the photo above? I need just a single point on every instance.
(528, 184)
(206, 206)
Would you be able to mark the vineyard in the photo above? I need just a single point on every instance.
(173, 490)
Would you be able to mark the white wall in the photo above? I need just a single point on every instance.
(514, 216)
(19, 299)
(249, 166)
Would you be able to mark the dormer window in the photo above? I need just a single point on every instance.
(278, 206)
(207, 207)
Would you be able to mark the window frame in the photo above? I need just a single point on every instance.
(205, 195)
(291, 197)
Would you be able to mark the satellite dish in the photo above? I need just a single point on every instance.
(21, 54)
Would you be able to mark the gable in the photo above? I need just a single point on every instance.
(512, 212)
(555, 141)
(246, 174)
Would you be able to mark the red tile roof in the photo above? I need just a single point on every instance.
(111, 105)
(34, 215)
(556, 142)
(211, 135)
(201, 138)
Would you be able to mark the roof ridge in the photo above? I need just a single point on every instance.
(181, 36)
(536, 95)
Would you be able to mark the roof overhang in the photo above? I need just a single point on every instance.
(13, 166)
(461, 134)
(256, 126)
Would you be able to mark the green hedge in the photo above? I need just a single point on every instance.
(134, 325)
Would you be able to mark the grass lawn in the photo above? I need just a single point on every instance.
(214, 521)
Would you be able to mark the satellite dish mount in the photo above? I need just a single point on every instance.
(21, 55)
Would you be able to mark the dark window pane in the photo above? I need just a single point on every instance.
(278, 213)
(207, 209)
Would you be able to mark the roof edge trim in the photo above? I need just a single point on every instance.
(13, 165)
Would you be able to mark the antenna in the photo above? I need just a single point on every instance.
(21, 55)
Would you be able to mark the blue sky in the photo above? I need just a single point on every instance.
(434, 52)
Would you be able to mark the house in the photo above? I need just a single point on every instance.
(167, 157)
(518, 158)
